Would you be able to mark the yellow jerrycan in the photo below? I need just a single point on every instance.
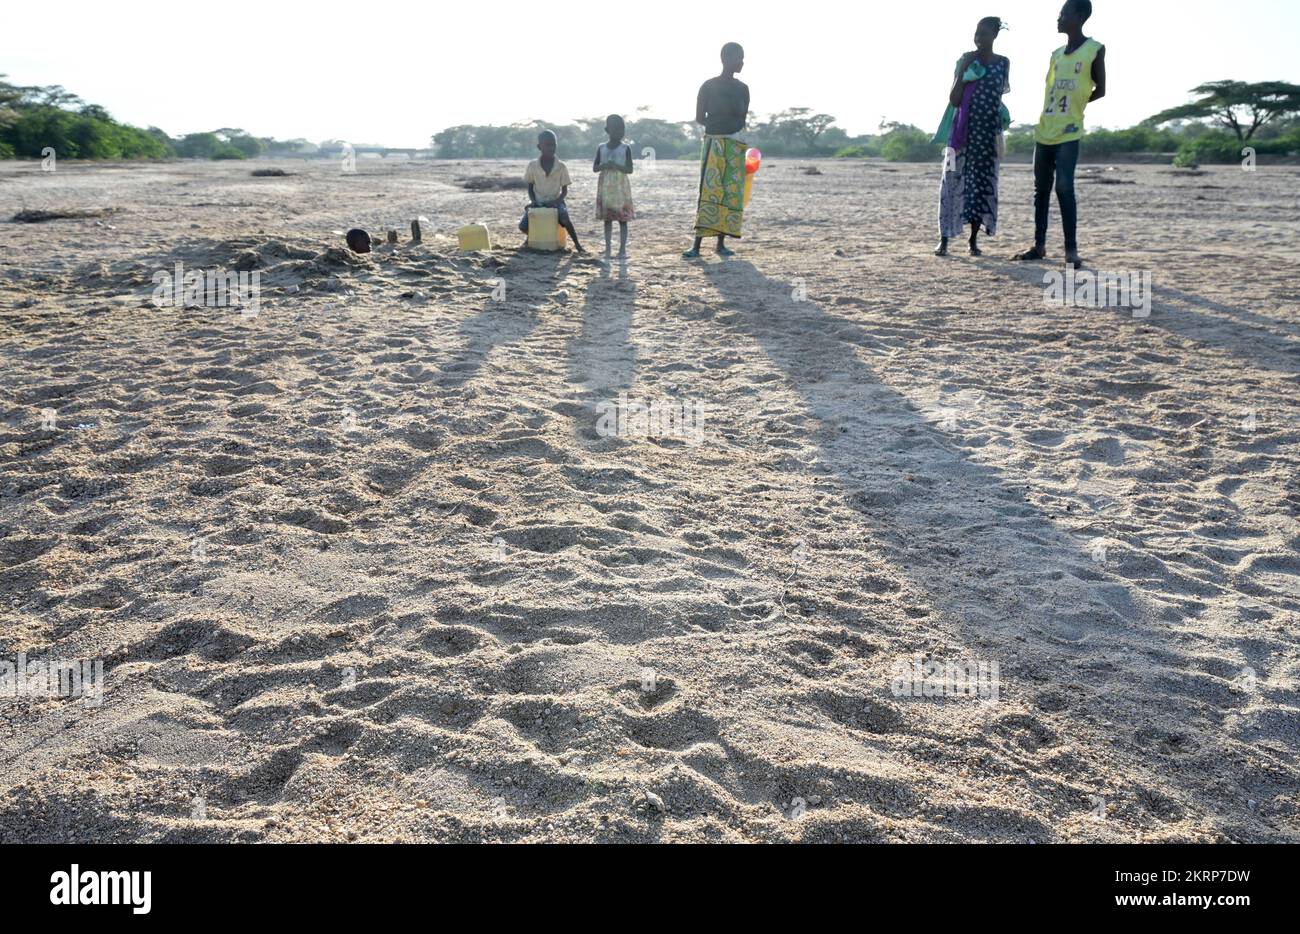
(544, 230)
(473, 237)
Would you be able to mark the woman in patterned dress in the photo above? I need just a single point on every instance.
(973, 155)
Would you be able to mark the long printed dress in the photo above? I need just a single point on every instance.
(969, 193)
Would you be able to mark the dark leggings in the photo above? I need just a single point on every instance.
(1056, 164)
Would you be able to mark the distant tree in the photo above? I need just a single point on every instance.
(53, 96)
(806, 126)
(578, 139)
(38, 127)
(10, 95)
(906, 143)
(1241, 106)
(796, 130)
(833, 138)
(163, 140)
(206, 146)
(669, 139)
(94, 138)
(291, 147)
(516, 141)
(250, 146)
(34, 118)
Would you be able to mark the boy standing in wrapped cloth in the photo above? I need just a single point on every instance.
(722, 106)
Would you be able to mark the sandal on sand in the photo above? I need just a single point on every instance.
(723, 251)
(691, 254)
(1029, 256)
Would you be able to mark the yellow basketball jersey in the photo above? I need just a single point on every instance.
(1069, 86)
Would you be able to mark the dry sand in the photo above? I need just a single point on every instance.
(362, 567)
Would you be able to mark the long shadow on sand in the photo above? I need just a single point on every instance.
(602, 358)
(1215, 324)
(890, 457)
(999, 571)
(528, 280)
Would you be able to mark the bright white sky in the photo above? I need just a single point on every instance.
(395, 71)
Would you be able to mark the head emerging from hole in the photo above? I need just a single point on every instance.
(733, 57)
(358, 240)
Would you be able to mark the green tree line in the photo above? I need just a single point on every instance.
(33, 119)
(1223, 118)
(797, 131)
(1262, 115)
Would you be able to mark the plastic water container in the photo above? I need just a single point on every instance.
(753, 160)
(473, 237)
(544, 230)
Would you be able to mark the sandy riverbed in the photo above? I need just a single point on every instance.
(362, 566)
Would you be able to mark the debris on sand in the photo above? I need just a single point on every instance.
(246, 261)
(40, 217)
(649, 801)
(335, 256)
(491, 183)
(258, 256)
(282, 250)
(1106, 176)
(270, 173)
(811, 170)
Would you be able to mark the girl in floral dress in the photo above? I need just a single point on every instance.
(613, 188)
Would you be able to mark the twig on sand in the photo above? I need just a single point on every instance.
(491, 183)
(40, 217)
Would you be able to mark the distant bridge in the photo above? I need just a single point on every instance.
(383, 152)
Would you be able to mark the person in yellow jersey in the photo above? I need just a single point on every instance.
(1075, 78)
